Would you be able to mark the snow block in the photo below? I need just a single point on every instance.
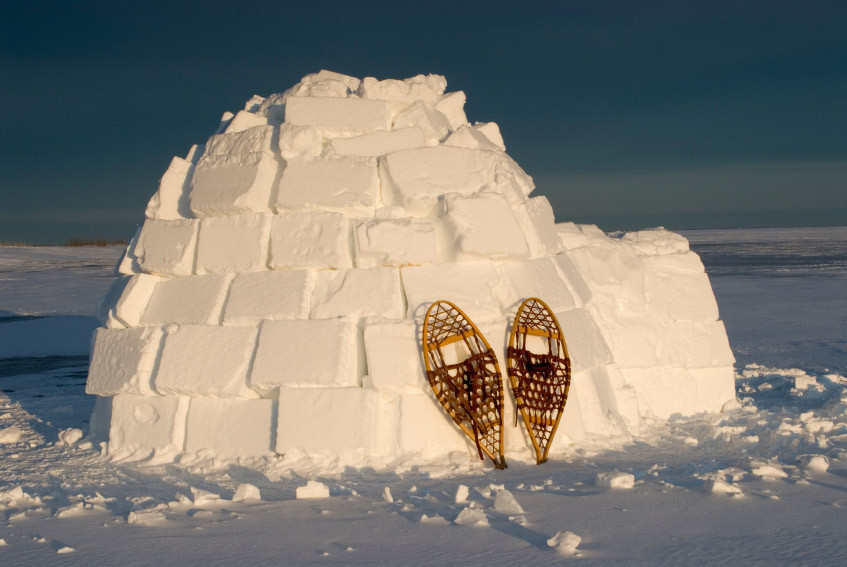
(570, 274)
(380, 143)
(426, 429)
(244, 120)
(570, 236)
(237, 243)
(586, 345)
(415, 178)
(310, 353)
(299, 142)
(679, 295)
(167, 247)
(246, 142)
(310, 239)
(128, 263)
(191, 300)
(571, 429)
(655, 241)
(272, 295)
(480, 226)
(452, 105)
(106, 304)
(357, 293)
(535, 216)
(434, 125)
(123, 361)
(338, 117)
(395, 357)
(588, 388)
(428, 88)
(342, 183)
(395, 242)
(233, 184)
(144, 425)
(229, 428)
(615, 276)
(134, 299)
(207, 361)
(352, 422)
(532, 278)
(170, 202)
(715, 387)
(352, 83)
(664, 391)
(466, 136)
(470, 285)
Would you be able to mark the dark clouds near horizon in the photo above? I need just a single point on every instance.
(628, 114)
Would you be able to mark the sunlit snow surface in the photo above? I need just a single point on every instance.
(764, 484)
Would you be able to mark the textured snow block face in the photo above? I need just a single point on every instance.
(467, 136)
(535, 216)
(452, 105)
(229, 428)
(428, 88)
(425, 428)
(395, 359)
(358, 293)
(170, 202)
(395, 242)
(133, 301)
(324, 84)
(269, 295)
(532, 278)
(470, 285)
(480, 226)
(299, 142)
(380, 143)
(586, 345)
(615, 276)
(144, 425)
(237, 243)
(338, 117)
(679, 295)
(311, 353)
(352, 422)
(664, 391)
(570, 274)
(570, 236)
(655, 242)
(348, 184)
(715, 387)
(424, 117)
(106, 304)
(192, 300)
(250, 141)
(310, 239)
(244, 120)
(207, 361)
(415, 178)
(123, 361)
(128, 263)
(166, 247)
(594, 418)
(233, 184)
(571, 429)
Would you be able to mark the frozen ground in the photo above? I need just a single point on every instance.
(765, 483)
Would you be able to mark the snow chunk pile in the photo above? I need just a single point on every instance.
(272, 301)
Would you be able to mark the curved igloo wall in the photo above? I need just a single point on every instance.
(272, 300)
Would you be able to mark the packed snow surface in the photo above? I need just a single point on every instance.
(761, 483)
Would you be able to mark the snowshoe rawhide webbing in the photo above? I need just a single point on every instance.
(464, 374)
(540, 380)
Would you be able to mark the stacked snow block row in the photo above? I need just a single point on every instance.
(274, 297)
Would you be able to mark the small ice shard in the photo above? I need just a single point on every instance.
(505, 503)
(435, 520)
(565, 543)
(313, 489)
(816, 463)
(472, 517)
(386, 495)
(769, 471)
(65, 549)
(461, 494)
(717, 486)
(246, 492)
(615, 479)
(203, 497)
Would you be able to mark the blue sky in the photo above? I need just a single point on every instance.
(627, 114)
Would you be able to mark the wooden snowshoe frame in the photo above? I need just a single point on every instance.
(540, 381)
(471, 390)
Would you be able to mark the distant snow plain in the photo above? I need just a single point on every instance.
(764, 483)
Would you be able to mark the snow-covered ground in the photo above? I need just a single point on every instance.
(764, 483)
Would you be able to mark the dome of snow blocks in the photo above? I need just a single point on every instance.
(272, 302)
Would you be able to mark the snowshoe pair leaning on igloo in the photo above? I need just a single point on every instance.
(463, 371)
(272, 301)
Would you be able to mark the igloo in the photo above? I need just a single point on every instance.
(272, 300)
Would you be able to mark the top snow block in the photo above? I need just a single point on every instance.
(339, 117)
(427, 88)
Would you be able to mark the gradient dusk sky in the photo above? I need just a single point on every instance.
(627, 114)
